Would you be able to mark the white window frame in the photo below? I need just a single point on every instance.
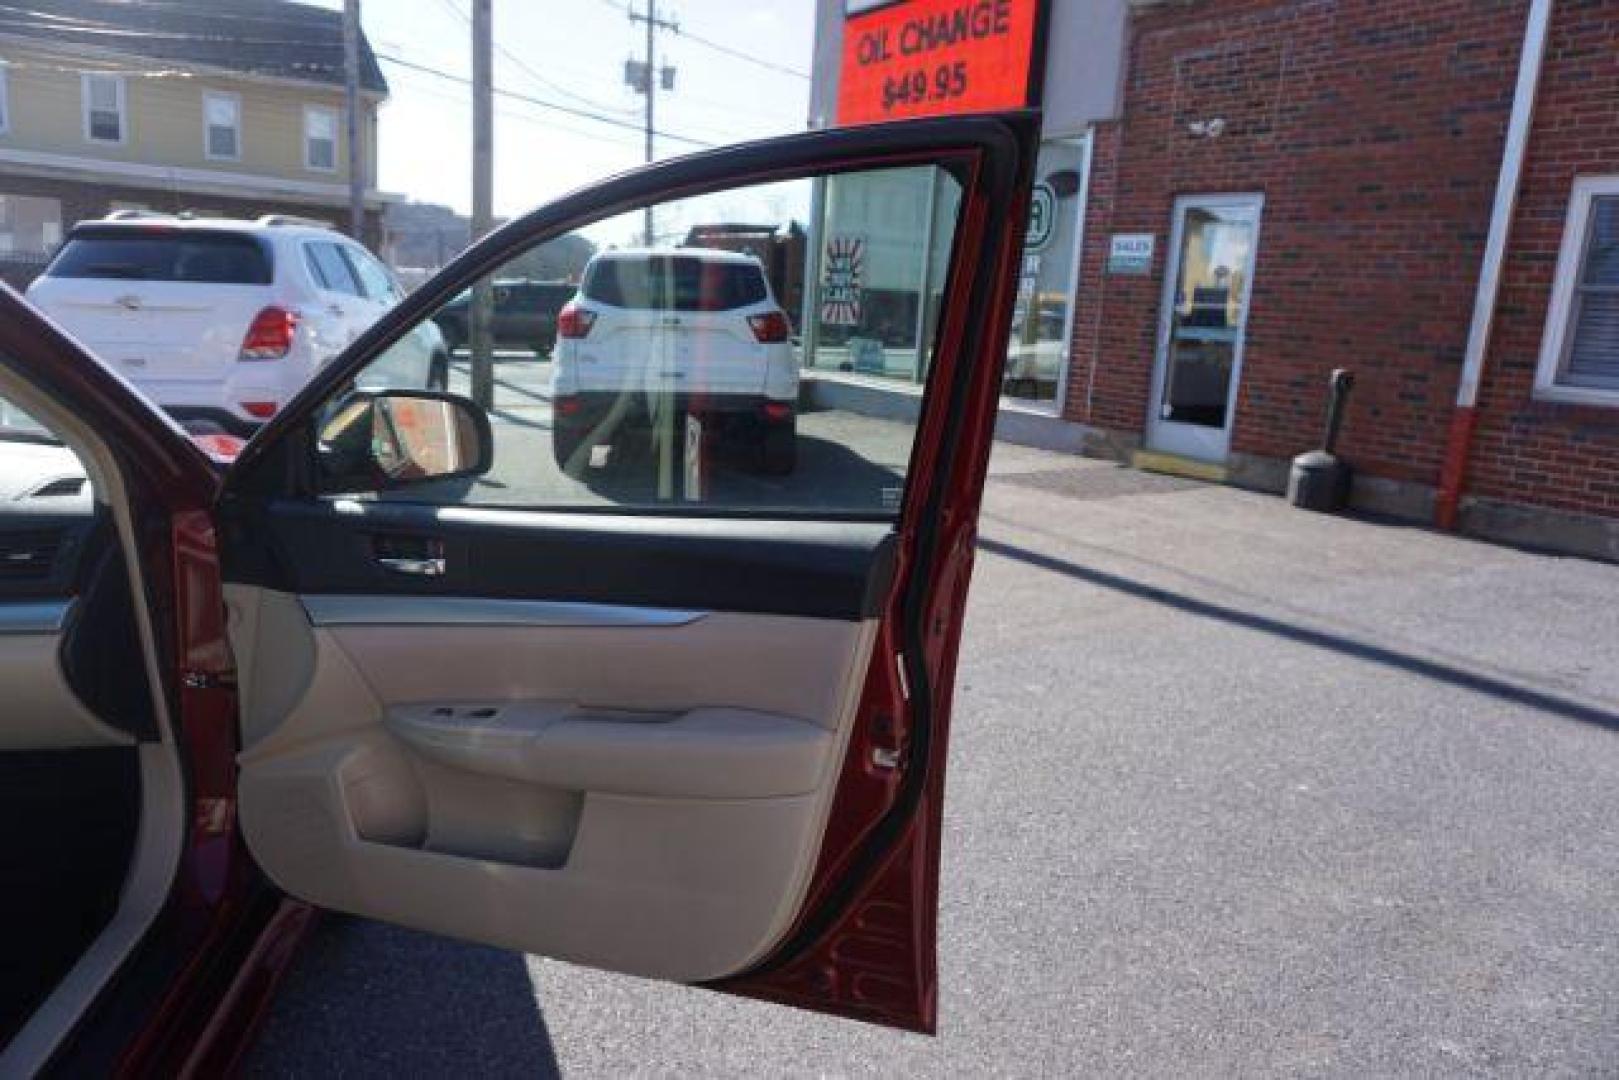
(5, 97)
(1058, 405)
(122, 97)
(208, 125)
(312, 110)
(1558, 338)
(1175, 436)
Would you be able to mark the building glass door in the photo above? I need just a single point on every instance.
(1205, 316)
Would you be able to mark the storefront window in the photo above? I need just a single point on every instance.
(877, 291)
(1038, 352)
(877, 288)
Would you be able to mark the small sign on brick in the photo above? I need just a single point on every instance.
(1130, 254)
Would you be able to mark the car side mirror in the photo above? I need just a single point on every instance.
(387, 439)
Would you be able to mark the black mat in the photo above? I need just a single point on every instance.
(67, 831)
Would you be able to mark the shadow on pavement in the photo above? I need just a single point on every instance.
(1321, 639)
(829, 475)
(367, 999)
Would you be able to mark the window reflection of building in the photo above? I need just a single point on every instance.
(1037, 355)
(884, 247)
(898, 223)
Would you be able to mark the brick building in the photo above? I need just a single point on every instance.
(1279, 188)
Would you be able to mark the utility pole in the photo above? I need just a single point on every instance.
(644, 78)
(351, 95)
(483, 184)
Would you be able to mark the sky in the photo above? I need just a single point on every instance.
(571, 53)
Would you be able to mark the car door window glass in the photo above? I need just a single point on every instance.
(331, 271)
(704, 366)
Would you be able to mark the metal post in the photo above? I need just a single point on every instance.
(483, 159)
(648, 85)
(651, 101)
(924, 294)
(1520, 125)
(809, 325)
(351, 102)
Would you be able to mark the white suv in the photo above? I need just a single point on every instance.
(692, 328)
(222, 320)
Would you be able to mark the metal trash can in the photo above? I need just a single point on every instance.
(1320, 480)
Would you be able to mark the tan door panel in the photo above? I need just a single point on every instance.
(773, 664)
(702, 753)
(647, 798)
(41, 712)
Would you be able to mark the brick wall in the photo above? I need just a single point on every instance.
(1539, 453)
(1374, 129)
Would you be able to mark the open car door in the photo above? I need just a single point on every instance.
(649, 667)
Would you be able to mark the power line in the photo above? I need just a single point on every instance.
(739, 55)
(613, 138)
(539, 79)
(719, 47)
(541, 102)
(606, 137)
(88, 27)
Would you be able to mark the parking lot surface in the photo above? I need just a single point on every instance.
(1234, 789)
(844, 460)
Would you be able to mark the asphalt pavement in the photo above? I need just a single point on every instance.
(1234, 789)
(845, 461)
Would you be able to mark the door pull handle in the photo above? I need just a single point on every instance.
(422, 567)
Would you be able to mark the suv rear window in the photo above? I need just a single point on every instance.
(174, 255)
(675, 283)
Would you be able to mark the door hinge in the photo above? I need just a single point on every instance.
(885, 757)
(888, 744)
(207, 680)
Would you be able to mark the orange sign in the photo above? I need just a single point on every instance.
(932, 57)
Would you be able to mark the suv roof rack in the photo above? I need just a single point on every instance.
(283, 220)
(136, 215)
(161, 215)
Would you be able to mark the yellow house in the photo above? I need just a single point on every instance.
(233, 107)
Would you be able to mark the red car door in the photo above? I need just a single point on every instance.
(668, 713)
(671, 717)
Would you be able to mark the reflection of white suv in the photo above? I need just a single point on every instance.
(692, 328)
(37, 473)
(224, 320)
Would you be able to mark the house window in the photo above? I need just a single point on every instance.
(105, 108)
(1579, 360)
(222, 125)
(320, 138)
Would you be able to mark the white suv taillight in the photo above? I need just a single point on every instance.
(575, 322)
(271, 335)
(771, 329)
